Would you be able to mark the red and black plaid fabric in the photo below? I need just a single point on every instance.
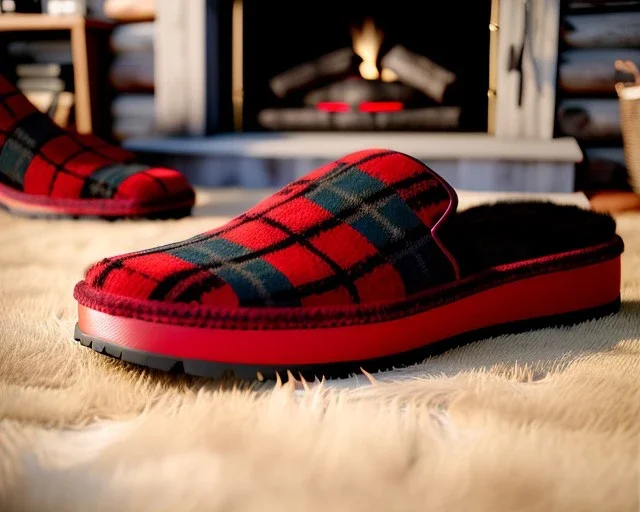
(358, 230)
(38, 157)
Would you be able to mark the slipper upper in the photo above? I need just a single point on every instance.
(39, 157)
(360, 230)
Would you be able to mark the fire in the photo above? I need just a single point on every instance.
(366, 44)
(388, 75)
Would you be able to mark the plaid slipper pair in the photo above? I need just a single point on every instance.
(48, 171)
(362, 264)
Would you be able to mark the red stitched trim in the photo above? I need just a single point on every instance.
(103, 205)
(333, 316)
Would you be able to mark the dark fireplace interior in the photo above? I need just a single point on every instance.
(358, 65)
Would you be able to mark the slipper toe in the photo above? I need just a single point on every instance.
(155, 185)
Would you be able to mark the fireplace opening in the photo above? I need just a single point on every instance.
(365, 66)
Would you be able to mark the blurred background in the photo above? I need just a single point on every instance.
(499, 95)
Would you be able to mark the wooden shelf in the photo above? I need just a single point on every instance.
(24, 22)
(80, 29)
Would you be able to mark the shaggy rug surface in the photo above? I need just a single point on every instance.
(547, 420)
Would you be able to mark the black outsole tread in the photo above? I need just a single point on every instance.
(215, 370)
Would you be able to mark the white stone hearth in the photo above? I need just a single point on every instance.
(470, 161)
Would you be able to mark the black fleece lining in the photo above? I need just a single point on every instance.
(508, 232)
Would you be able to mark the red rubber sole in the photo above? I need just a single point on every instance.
(590, 288)
(20, 203)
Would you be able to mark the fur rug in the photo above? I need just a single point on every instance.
(547, 420)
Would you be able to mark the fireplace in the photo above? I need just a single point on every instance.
(363, 66)
(487, 67)
(257, 92)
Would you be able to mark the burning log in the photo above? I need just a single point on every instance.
(333, 66)
(355, 91)
(590, 119)
(294, 119)
(419, 72)
(433, 118)
(353, 121)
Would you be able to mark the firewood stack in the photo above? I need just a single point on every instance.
(404, 91)
(596, 33)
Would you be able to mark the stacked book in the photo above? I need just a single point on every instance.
(45, 75)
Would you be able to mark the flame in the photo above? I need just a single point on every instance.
(366, 44)
(388, 75)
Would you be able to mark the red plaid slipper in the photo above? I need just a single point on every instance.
(48, 171)
(364, 263)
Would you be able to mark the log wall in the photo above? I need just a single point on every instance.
(593, 34)
(590, 119)
(590, 71)
(608, 30)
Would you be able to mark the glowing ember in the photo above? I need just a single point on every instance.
(333, 106)
(381, 106)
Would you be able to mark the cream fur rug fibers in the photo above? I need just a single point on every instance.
(547, 420)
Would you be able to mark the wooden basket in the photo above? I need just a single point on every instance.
(629, 98)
